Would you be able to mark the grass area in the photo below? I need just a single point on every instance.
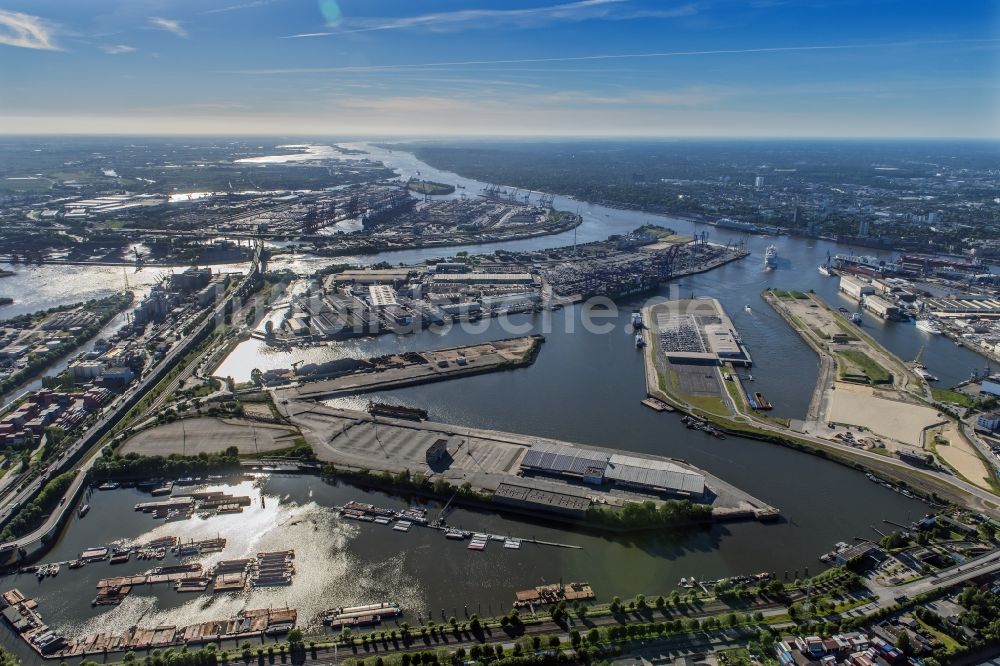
(708, 403)
(865, 365)
(733, 388)
(952, 397)
(791, 294)
(947, 641)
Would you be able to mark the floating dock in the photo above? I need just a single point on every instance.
(554, 593)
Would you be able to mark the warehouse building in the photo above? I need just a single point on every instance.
(484, 278)
(659, 475)
(599, 468)
(381, 295)
(569, 461)
(855, 287)
(881, 307)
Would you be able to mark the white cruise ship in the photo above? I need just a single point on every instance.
(770, 257)
(927, 326)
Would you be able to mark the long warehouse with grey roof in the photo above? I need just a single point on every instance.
(597, 468)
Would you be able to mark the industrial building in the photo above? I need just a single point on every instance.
(881, 307)
(599, 468)
(483, 278)
(368, 276)
(963, 306)
(381, 295)
(855, 287)
(567, 501)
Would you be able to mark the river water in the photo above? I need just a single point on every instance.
(584, 387)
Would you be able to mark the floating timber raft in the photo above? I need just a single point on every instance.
(657, 405)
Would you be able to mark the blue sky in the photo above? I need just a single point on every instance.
(502, 67)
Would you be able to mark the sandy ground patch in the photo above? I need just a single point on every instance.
(862, 406)
(209, 435)
(960, 454)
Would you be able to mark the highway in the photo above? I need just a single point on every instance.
(110, 416)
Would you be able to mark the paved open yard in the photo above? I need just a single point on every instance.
(210, 435)
(355, 439)
(863, 406)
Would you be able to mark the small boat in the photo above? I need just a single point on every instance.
(824, 270)
(511, 543)
(455, 534)
(108, 485)
(747, 309)
(856, 318)
(637, 319)
(83, 510)
(54, 569)
(402, 526)
(924, 374)
(639, 341)
(76, 564)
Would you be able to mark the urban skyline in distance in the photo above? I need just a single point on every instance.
(545, 67)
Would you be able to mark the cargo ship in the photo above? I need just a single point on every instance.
(862, 264)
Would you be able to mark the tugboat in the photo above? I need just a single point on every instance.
(636, 319)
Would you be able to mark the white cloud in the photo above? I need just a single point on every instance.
(169, 25)
(116, 49)
(244, 5)
(26, 31)
(615, 56)
(530, 17)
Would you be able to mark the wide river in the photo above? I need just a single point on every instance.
(584, 387)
